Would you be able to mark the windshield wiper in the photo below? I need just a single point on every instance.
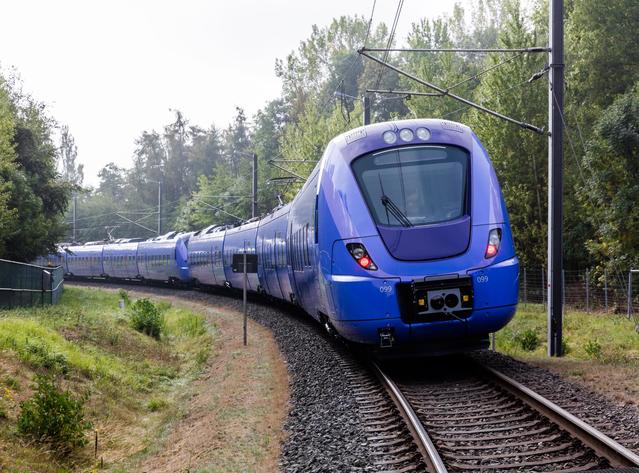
(396, 211)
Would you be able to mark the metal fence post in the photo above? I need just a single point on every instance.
(563, 289)
(525, 288)
(587, 290)
(606, 289)
(629, 293)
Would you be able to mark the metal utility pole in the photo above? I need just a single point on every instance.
(159, 207)
(555, 177)
(367, 109)
(254, 203)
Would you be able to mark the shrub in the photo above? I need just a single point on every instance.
(528, 340)
(146, 318)
(54, 416)
(593, 349)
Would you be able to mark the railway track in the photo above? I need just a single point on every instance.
(469, 417)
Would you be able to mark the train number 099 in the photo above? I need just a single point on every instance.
(482, 278)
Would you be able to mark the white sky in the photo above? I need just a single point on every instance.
(112, 69)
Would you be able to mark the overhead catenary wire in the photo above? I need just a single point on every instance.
(534, 49)
(391, 37)
(409, 93)
(494, 113)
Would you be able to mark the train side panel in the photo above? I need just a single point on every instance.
(200, 258)
(303, 247)
(237, 241)
(163, 260)
(85, 261)
(271, 253)
(120, 260)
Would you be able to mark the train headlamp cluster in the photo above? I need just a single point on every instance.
(389, 137)
(361, 256)
(406, 135)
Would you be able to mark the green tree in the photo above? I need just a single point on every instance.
(34, 198)
(68, 153)
(611, 192)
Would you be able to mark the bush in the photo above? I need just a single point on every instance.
(54, 416)
(146, 318)
(528, 340)
(593, 349)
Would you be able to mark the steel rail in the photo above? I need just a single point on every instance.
(425, 444)
(615, 453)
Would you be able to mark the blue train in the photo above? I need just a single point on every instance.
(399, 238)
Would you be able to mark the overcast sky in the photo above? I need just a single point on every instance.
(112, 69)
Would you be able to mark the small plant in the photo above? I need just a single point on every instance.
(124, 296)
(40, 355)
(11, 382)
(155, 405)
(54, 416)
(528, 340)
(163, 306)
(593, 349)
(146, 318)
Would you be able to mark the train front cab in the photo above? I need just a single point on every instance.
(387, 300)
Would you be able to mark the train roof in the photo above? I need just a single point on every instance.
(370, 138)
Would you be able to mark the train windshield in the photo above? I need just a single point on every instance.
(414, 186)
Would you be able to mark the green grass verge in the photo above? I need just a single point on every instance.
(607, 338)
(88, 342)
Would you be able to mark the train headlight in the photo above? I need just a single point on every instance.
(423, 133)
(359, 254)
(494, 241)
(406, 134)
(389, 137)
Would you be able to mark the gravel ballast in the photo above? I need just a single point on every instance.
(620, 422)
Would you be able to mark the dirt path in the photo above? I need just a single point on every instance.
(233, 416)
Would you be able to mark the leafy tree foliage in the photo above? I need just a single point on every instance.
(32, 196)
(612, 186)
(71, 172)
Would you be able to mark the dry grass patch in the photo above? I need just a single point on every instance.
(236, 410)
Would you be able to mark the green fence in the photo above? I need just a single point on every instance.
(24, 284)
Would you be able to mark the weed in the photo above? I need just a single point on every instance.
(163, 306)
(146, 318)
(202, 356)
(11, 382)
(54, 416)
(125, 297)
(39, 355)
(593, 349)
(155, 405)
(528, 340)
